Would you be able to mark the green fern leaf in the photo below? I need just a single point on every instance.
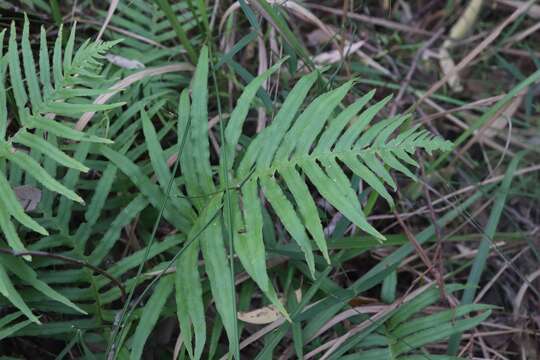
(314, 145)
(318, 145)
(41, 109)
(37, 100)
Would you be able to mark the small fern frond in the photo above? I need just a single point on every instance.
(60, 91)
(42, 102)
(407, 331)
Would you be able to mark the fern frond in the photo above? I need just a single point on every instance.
(316, 146)
(41, 106)
(406, 332)
(313, 146)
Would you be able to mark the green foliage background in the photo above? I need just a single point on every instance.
(202, 214)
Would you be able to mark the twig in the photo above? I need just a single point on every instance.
(437, 258)
(124, 32)
(372, 20)
(127, 81)
(424, 209)
(422, 254)
(112, 7)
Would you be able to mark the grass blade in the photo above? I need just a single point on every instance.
(485, 245)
